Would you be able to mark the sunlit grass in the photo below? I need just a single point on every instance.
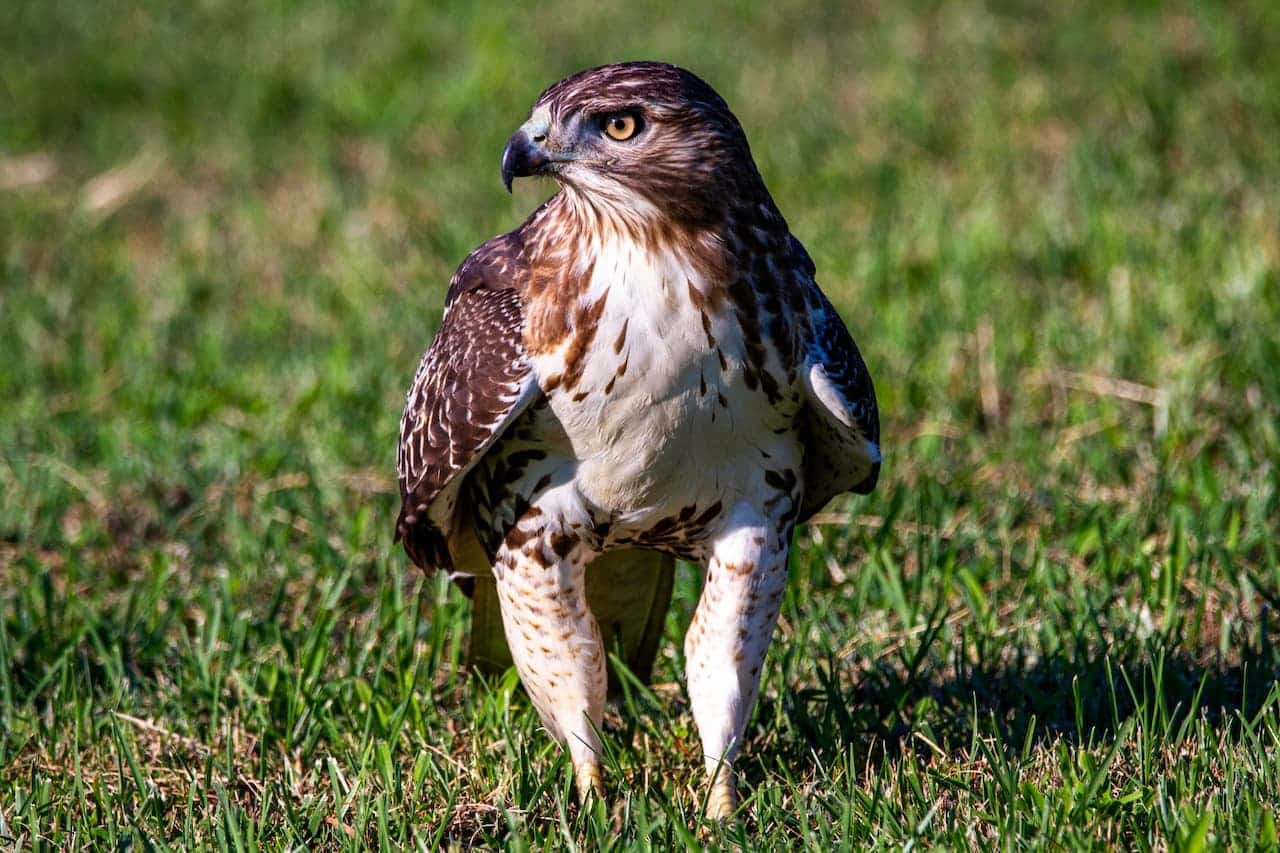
(225, 232)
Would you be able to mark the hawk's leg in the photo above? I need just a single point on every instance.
(553, 637)
(727, 640)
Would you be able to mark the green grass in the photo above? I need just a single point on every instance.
(225, 230)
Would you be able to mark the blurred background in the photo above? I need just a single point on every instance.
(225, 232)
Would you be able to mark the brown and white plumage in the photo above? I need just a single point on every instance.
(646, 368)
(471, 383)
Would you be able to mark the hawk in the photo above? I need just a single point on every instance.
(644, 370)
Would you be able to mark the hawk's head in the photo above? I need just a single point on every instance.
(639, 137)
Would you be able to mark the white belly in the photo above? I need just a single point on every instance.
(660, 417)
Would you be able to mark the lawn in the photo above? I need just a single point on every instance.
(225, 232)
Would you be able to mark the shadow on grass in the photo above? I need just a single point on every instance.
(1078, 694)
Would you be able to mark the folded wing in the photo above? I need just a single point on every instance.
(842, 421)
(470, 386)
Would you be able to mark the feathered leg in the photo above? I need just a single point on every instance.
(554, 640)
(727, 640)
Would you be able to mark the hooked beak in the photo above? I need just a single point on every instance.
(522, 157)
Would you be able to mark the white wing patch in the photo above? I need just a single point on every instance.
(833, 406)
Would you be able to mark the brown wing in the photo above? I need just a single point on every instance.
(842, 420)
(471, 384)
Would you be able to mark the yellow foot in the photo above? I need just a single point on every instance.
(590, 783)
(724, 797)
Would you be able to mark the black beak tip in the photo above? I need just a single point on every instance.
(513, 156)
(508, 172)
(521, 158)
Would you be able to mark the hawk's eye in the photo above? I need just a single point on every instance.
(621, 126)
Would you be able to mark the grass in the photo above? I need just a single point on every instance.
(224, 235)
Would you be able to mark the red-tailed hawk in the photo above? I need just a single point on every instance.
(645, 369)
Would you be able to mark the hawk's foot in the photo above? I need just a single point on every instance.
(590, 782)
(723, 801)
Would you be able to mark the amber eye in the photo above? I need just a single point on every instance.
(621, 126)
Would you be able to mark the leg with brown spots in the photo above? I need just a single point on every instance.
(554, 639)
(727, 640)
